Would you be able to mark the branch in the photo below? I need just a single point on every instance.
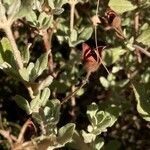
(144, 51)
(23, 130)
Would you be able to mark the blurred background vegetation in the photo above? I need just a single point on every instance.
(40, 25)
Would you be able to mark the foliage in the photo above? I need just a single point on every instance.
(40, 59)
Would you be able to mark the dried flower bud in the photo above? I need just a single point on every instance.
(91, 57)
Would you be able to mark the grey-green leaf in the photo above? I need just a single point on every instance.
(86, 33)
(24, 74)
(143, 100)
(2, 12)
(35, 104)
(14, 8)
(112, 55)
(144, 37)
(6, 52)
(23, 103)
(121, 6)
(45, 96)
(25, 55)
(40, 66)
(65, 133)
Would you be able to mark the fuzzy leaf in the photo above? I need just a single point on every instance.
(86, 33)
(91, 113)
(25, 55)
(6, 52)
(112, 55)
(23, 103)
(40, 66)
(35, 104)
(45, 96)
(121, 6)
(65, 133)
(2, 12)
(26, 11)
(144, 37)
(73, 35)
(24, 74)
(104, 82)
(45, 20)
(143, 100)
(88, 137)
(14, 8)
(98, 143)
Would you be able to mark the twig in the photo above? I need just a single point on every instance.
(95, 27)
(5, 24)
(73, 100)
(144, 51)
(16, 52)
(72, 5)
(22, 132)
(136, 27)
(7, 135)
(47, 38)
(77, 89)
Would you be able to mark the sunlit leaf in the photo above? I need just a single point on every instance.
(112, 55)
(121, 6)
(24, 74)
(143, 100)
(144, 37)
(14, 8)
(65, 133)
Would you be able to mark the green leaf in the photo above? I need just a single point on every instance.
(60, 3)
(58, 11)
(73, 35)
(44, 20)
(23, 103)
(30, 67)
(14, 8)
(24, 74)
(45, 83)
(7, 68)
(65, 133)
(56, 3)
(91, 113)
(142, 97)
(83, 36)
(35, 104)
(2, 12)
(144, 37)
(112, 55)
(86, 33)
(104, 82)
(88, 137)
(104, 120)
(25, 55)
(121, 6)
(98, 143)
(26, 11)
(45, 96)
(6, 52)
(49, 114)
(51, 4)
(40, 66)
(100, 120)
